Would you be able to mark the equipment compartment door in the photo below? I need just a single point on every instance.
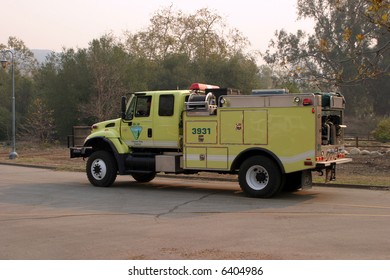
(255, 127)
(201, 132)
(232, 127)
(217, 158)
(206, 158)
(195, 158)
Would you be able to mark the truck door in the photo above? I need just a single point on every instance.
(166, 129)
(137, 127)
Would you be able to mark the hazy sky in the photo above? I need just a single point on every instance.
(52, 24)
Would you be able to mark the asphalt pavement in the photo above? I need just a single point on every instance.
(47, 214)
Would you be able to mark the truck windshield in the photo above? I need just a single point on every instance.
(131, 108)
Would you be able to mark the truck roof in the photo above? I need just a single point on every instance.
(177, 92)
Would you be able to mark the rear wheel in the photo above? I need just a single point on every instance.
(144, 177)
(101, 169)
(260, 176)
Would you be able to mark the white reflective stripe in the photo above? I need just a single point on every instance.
(218, 158)
(299, 157)
(231, 158)
(143, 143)
(139, 143)
(192, 156)
(165, 143)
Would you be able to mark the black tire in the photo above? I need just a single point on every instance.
(144, 177)
(260, 176)
(101, 169)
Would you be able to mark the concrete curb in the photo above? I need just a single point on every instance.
(28, 165)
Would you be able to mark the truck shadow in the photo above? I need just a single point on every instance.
(211, 197)
(154, 198)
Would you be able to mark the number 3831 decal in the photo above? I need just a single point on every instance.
(199, 130)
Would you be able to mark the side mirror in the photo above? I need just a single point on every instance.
(123, 107)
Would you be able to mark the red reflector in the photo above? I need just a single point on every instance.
(308, 163)
(307, 101)
(313, 110)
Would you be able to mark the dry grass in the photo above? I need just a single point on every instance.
(53, 156)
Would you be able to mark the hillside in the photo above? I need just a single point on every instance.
(41, 54)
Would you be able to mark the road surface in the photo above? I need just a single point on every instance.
(46, 214)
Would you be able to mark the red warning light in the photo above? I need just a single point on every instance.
(307, 101)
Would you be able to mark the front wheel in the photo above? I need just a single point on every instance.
(259, 176)
(101, 169)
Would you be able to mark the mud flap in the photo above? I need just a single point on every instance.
(306, 179)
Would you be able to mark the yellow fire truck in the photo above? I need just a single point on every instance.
(272, 139)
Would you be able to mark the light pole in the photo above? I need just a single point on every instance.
(4, 62)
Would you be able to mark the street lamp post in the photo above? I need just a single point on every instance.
(4, 62)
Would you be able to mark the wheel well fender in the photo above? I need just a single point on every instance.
(111, 145)
(255, 152)
(100, 143)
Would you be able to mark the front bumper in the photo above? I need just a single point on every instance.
(83, 152)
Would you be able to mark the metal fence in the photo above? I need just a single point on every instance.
(363, 141)
(78, 136)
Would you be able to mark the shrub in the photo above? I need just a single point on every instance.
(382, 131)
(5, 124)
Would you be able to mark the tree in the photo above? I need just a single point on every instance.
(346, 51)
(182, 48)
(107, 62)
(24, 59)
(39, 124)
(5, 124)
(174, 71)
(25, 66)
(64, 83)
(239, 72)
(378, 12)
(198, 36)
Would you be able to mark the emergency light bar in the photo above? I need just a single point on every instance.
(198, 86)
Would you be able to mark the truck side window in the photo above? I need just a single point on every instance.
(166, 105)
(143, 106)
